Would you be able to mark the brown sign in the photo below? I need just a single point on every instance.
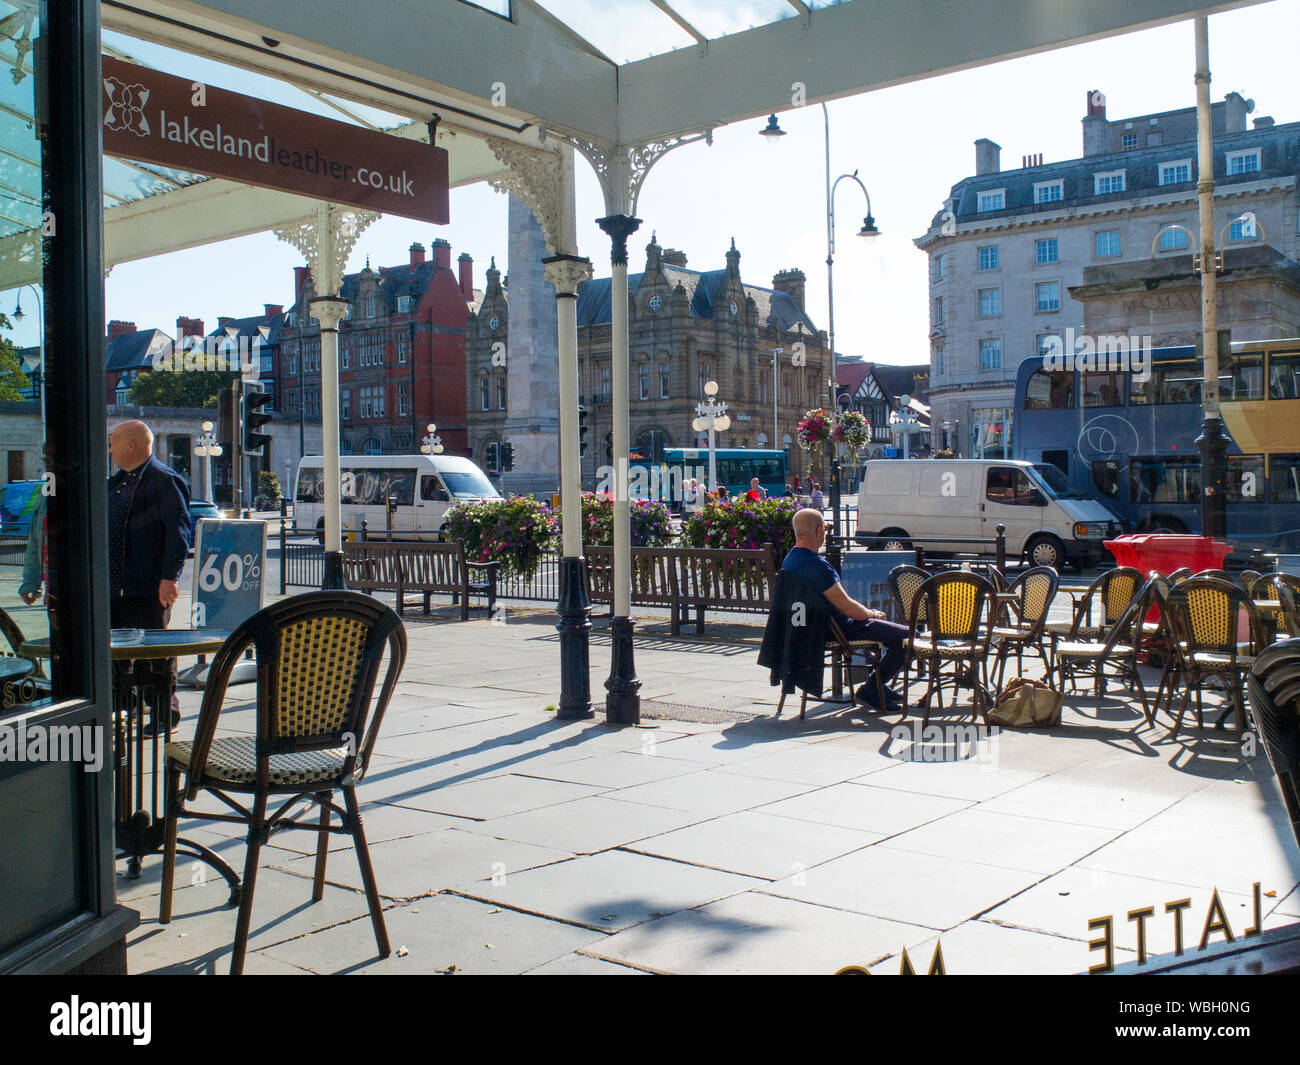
(157, 118)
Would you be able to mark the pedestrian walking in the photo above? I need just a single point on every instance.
(815, 500)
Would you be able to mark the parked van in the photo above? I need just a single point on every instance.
(426, 487)
(1048, 521)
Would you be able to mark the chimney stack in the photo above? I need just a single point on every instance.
(988, 157)
(272, 309)
(300, 275)
(1264, 122)
(465, 267)
(417, 253)
(192, 327)
(673, 257)
(1096, 129)
(442, 254)
(118, 328)
(1235, 109)
(792, 283)
(1028, 161)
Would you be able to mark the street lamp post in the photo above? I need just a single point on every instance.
(431, 444)
(776, 433)
(207, 449)
(712, 416)
(19, 315)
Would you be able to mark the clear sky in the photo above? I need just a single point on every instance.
(910, 144)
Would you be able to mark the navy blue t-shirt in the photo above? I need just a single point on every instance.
(811, 567)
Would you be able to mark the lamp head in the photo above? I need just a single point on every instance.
(772, 131)
(868, 228)
(711, 388)
(18, 310)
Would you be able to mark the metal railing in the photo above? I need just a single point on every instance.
(13, 549)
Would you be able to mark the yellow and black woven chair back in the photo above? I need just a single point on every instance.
(1247, 578)
(904, 584)
(1276, 587)
(318, 660)
(1180, 575)
(1118, 587)
(956, 603)
(1036, 589)
(1209, 608)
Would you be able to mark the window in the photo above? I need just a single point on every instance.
(991, 353)
(1244, 162)
(990, 432)
(1102, 389)
(1242, 377)
(1047, 390)
(605, 388)
(403, 346)
(1242, 228)
(1046, 250)
(402, 400)
(993, 200)
(1048, 191)
(938, 266)
(988, 257)
(1110, 181)
(1176, 173)
(345, 356)
(293, 364)
(1106, 243)
(1245, 478)
(704, 377)
(1128, 142)
(1172, 239)
(1175, 480)
(1284, 376)
(1011, 486)
(1047, 296)
(663, 380)
(370, 306)
(990, 302)
(939, 361)
(938, 310)
(345, 403)
(644, 376)
(501, 393)
(1284, 479)
(787, 395)
(403, 304)
(1046, 343)
(483, 394)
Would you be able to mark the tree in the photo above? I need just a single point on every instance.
(12, 379)
(179, 388)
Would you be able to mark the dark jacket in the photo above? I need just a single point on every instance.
(158, 529)
(796, 654)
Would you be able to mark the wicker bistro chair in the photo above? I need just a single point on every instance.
(1203, 612)
(1117, 648)
(1284, 589)
(1114, 590)
(1179, 575)
(318, 658)
(1247, 578)
(957, 609)
(1273, 685)
(1036, 590)
(904, 583)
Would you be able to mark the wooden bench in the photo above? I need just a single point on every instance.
(423, 568)
(681, 579)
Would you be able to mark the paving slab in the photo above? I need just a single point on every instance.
(576, 964)
(585, 826)
(757, 844)
(617, 770)
(864, 808)
(981, 947)
(919, 889)
(613, 890)
(754, 933)
(497, 796)
(711, 792)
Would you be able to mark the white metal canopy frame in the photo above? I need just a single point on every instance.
(512, 87)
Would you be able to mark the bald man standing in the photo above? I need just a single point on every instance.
(148, 532)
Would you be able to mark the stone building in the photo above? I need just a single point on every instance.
(686, 327)
(1009, 247)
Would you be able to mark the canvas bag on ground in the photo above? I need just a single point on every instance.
(1026, 703)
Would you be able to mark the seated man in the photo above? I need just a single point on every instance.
(856, 621)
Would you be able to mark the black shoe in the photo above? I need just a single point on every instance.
(867, 695)
(151, 726)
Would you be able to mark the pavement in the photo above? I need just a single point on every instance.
(720, 838)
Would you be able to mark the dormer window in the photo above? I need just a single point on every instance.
(403, 304)
(993, 200)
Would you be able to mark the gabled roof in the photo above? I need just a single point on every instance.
(134, 351)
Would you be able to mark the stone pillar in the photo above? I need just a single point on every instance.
(532, 362)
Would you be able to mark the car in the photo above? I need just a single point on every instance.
(203, 508)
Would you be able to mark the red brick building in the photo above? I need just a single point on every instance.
(401, 354)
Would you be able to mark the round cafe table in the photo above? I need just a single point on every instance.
(142, 678)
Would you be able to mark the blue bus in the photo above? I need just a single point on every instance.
(737, 466)
(1128, 437)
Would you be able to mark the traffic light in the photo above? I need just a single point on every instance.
(252, 439)
(227, 415)
(582, 429)
(507, 456)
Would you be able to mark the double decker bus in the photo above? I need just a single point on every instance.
(1128, 437)
(737, 466)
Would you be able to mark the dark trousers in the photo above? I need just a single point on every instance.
(889, 633)
(144, 612)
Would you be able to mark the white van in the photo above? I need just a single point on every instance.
(426, 486)
(1048, 521)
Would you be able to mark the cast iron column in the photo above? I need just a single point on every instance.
(622, 699)
(329, 311)
(566, 273)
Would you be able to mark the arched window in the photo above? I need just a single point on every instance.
(483, 392)
(501, 392)
(643, 373)
(346, 448)
(374, 447)
(787, 390)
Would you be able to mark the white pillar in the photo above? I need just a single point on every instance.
(329, 311)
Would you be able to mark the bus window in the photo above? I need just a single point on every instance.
(1245, 478)
(1243, 378)
(1010, 486)
(1284, 376)
(1165, 480)
(1103, 389)
(1050, 390)
(1284, 479)
(1105, 477)
(1177, 384)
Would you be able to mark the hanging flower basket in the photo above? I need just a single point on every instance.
(814, 430)
(854, 432)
